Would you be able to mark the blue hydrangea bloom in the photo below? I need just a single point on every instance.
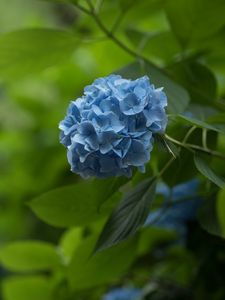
(177, 215)
(123, 294)
(109, 130)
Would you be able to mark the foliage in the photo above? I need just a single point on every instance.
(63, 237)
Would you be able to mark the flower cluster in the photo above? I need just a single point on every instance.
(109, 130)
(176, 216)
(123, 293)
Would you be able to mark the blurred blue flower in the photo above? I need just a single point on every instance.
(123, 294)
(109, 130)
(180, 206)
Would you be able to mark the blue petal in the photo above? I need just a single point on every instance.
(109, 129)
(137, 155)
(131, 105)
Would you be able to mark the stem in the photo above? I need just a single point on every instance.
(192, 129)
(167, 165)
(133, 53)
(111, 36)
(181, 144)
(207, 151)
(192, 147)
(83, 9)
(98, 6)
(204, 138)
(118, 21)
(120, 17)
(91, 6)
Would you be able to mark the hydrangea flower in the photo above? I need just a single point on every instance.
(109, 130)
(177, 215)
(123, 294)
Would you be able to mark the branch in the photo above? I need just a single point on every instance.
(192, 147)
(167, 165)
(135, 54)
(83, 9)
(111, 36)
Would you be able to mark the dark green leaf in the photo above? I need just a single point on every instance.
(129, 216)
(189, 19)
(176, 174)
(201, 112)
(221, 210)
(151, 236)
(78, 204)
(199, 123)
(29, 256)
(86, 271)
(197, 78)
(207, 217)
(31, 50)
(178, 98)
(126, 4)
(216, 118)
(203, 168)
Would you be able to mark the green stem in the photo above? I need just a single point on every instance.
(192, 147)
(98, 6)
(204, 138)
(111, 36)
(190, 131)
(181, 144)
(133, 53)
(167, 165)
(83, 9)
(118, 21)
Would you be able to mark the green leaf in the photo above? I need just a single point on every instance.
(221, 210)
(178, 98)
(126, 4)
(144, 10)
(63, 1)
(195, 20)
(208, 217)
(167, 145)
(27, 288)
(150, 43)
(198, 123)
(129, 216)
(29, 256)
(87, 271)
(184, 162)
(70, 241)
(78, 204)
(31, 50)
(217, 118)
(203, 168)
(201, 112)
(151, 236)
(197, 78)
(177, 267)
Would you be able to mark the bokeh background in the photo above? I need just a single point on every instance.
(183, 261)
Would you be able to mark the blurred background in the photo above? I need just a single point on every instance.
(187, 38)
